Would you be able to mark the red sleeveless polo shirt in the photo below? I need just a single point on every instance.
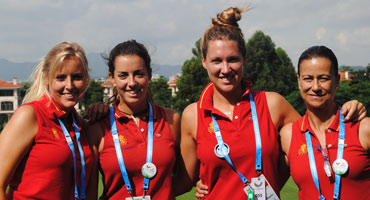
(46, 171)
(223, 182)
(133, 140)
(355, 184)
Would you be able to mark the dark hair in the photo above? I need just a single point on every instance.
(225, 27)
(319, 51)
(130, 47)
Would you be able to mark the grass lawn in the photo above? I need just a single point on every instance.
(289, 191)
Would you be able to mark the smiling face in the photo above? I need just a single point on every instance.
(317, 82)
(68, 84)
(132, 80)
(224, 64)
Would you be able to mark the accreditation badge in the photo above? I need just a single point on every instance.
(147, 197)
(259, 186)
(249, 192)
(270, 193)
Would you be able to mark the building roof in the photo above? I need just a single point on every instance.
(345, 76)
(6, 84)
(107, 84)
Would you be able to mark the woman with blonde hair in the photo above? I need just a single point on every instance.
(44, 152)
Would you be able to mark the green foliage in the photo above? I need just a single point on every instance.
(197, 51)
(345, 68)
(161, 93)
(296, 101)
(358, 88)
(268, 68)
(192, 82)
(23, 90)
(93, 95)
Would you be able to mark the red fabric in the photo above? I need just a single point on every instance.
(222, 181)
(46, 172)
(133, 141)
(355, 183)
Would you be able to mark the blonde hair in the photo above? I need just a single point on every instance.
(225, 27)
(46, 69)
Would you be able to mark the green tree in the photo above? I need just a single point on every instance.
(93, 95)
(194, 78)
(24, 90)
(161, 93)
(344, 68)
(268, 68)
(358, 88)
(295, 99)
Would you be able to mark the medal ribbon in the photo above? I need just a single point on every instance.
(119, 152)
(311, 158)
(72, 148)
(339, 154)
(257, 138)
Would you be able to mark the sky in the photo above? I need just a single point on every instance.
(169, 28)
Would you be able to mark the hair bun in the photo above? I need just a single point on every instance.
(228, 17)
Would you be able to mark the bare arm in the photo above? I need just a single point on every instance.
(95, 137)
(285, 137)
(188, 144)
(15, 141)
(280, 110)
(180, 181)
(364, 134)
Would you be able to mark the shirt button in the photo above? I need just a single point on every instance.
(142, 130)
(238, 104)
(329, 131)
(236, 117)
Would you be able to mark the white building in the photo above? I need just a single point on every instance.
(108, 90)
(9, 98)
(172, 83)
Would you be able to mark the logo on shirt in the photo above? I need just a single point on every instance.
(55, 133)
(211, 128)
(302, 150)
(122, 140)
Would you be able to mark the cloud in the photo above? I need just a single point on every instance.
(342, 38)
(171, 27)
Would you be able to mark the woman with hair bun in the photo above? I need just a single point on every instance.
(229, 138)
(44, 152)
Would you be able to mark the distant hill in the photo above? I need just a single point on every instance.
(97, 66)
(9, 69)
(354, 68)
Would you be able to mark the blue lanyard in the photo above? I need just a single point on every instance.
(311, 158)
(71, 146)
(117, 146)
(257, 138)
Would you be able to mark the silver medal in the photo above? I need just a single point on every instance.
(149, 170)
(340, 166)
(218, 151)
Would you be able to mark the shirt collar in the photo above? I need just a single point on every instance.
(334, 126)
(118, 114)
(53, 108)
(206, 97)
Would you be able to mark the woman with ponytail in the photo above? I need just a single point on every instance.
(44, 152)
(229, 138)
